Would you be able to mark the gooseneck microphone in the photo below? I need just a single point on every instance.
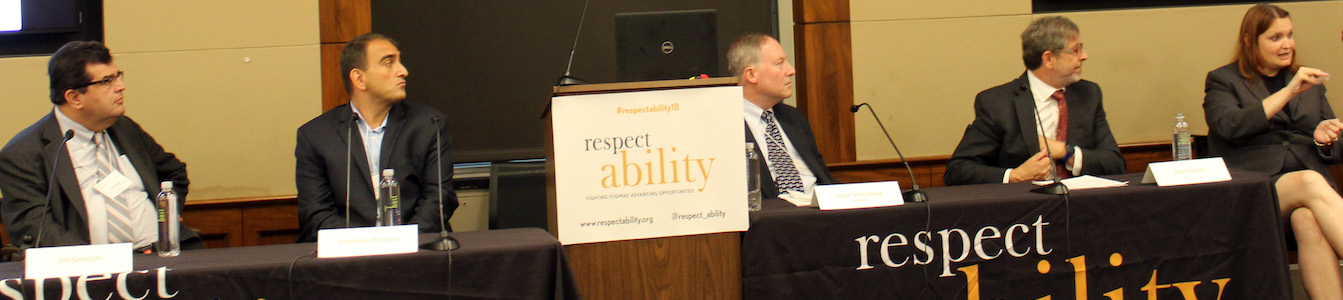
(914, 194)
(349, 153)
(1056, 188)
(51, 184)
(566, 79)
(444, 242)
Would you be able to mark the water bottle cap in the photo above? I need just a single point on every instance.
(387, 172)
(166, 185)
(750, 145)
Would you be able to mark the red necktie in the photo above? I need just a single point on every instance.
(1061, 133)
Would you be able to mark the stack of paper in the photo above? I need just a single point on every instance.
(799, 199)
(1086, 182)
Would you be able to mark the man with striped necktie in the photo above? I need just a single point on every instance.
(781, 132)
(106, 175)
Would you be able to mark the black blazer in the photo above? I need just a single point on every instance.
(795, 125)
(1238, 131)
(407, 147)
(26, 163)
(1003, 134)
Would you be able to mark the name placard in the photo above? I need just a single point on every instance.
(1183, 172)
(859, 195)
(366, 241)
(69, 261)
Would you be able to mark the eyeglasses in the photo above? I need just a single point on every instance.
(106, 81)
(1074, 50)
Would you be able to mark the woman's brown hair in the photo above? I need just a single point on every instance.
(1256, 21)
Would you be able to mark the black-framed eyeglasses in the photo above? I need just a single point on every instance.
(105, 81)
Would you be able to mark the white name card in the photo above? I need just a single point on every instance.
(1182, 172)
(70, 261)
(365, 241)
(859, 195)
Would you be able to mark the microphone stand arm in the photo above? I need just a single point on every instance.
(914, 194)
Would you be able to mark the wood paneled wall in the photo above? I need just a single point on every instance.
(340, 21)
(239, 222)
(825, 74)
(244, 222)
(686, 267)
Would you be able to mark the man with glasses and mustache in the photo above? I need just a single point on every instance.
(1004, 145)
(106, 175)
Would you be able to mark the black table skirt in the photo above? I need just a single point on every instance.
(501, 264)
(1219, 239)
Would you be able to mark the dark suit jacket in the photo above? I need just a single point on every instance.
(26, 164)
(795, 125)
(1238, 131)
(407, 147)
(1003, 134)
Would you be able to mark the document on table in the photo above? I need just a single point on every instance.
(1086, 182)
(799, 199)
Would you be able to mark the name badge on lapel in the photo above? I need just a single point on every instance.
(113, 184)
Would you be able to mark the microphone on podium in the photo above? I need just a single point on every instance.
(914, 194)
(567, 79)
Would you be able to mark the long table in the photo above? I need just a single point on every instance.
(499, 264)
(1209, 241)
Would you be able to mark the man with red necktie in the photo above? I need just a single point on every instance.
(1004, 143)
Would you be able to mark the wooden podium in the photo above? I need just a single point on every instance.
(704, 266)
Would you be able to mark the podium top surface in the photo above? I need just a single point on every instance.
(601, 88)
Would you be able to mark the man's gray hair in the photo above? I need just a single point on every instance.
(745, 52)
(1045, 34)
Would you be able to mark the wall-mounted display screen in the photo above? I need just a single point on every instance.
(39, 27)
(11, 15)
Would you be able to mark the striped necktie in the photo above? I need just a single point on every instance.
(119, 229)
(780, 163)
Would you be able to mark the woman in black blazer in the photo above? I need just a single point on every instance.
(1266, 113)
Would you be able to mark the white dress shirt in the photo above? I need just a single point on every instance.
(757, 126)
(372, 144)
(82, 151)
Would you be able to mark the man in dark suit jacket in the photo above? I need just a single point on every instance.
(340, 152)
(86, 88)
(1003, 144)
(764, 75)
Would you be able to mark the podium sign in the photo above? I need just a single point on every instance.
(649, 164)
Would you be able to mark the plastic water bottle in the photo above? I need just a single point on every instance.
(1183, 146)
(169, 245)
(389, 199)
(752, 178)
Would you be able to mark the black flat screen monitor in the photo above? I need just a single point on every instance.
(39, 27)
(666, 45)
(39, 16)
